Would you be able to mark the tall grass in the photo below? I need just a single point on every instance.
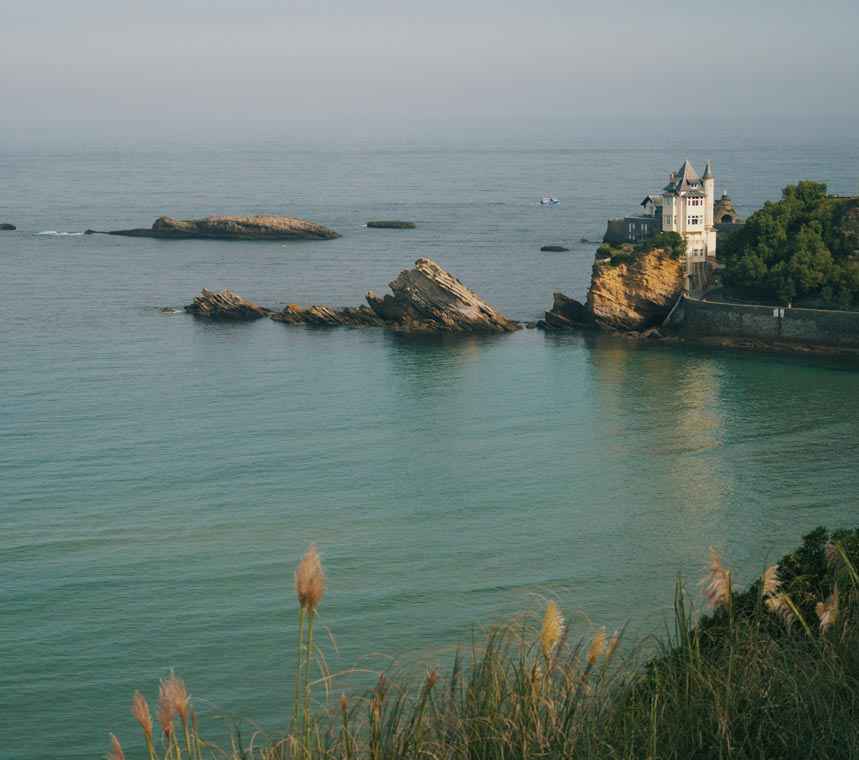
(772, 673)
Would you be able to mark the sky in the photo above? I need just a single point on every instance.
(402, 70)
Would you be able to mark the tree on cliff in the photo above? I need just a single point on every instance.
(805, 245)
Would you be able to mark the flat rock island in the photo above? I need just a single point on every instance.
(260, 227)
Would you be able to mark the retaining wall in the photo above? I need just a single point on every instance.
(696, 318)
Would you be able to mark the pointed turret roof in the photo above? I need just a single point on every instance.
(708, 171)
(684, 179)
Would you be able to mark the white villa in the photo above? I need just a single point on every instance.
(687, 208)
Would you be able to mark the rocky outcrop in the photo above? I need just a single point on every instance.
(566, 313)
(636, 292)
(8, 227)
(325, 316)
(423, 299)
(225, 305)
(232, 228)
(630, 292)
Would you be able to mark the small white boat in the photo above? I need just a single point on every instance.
(548, 200)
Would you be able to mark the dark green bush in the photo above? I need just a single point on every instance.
(802, 246)
(670, 241)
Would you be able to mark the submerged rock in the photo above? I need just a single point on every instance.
(268, 227)
(391, 225)
(423, 299)
(225, 305)
(8, 227)
(554, 248)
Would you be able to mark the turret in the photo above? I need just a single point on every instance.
(710, 191)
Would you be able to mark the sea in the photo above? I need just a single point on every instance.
(161, 476)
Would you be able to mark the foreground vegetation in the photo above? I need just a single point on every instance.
(772, 672)
(625, 253)
(803, 247)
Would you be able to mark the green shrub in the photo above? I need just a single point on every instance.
(672, 242)
(621, 258)
(799, 247)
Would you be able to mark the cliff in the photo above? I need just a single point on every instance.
(637, 292)
(231, 228)
(630, 292)
(423, 299)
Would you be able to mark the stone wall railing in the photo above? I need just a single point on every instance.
(701, 318)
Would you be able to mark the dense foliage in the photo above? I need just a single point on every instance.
(625, 253)
(672, 242)
(805, 246)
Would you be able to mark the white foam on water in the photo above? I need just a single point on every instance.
(60, 234)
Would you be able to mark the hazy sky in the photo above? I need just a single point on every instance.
(401, 69)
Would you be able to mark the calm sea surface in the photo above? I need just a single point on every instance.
(160, 476)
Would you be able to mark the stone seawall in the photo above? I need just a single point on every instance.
(711, 319)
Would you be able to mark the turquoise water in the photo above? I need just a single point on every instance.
(161, 476)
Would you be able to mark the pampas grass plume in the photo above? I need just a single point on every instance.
(827, 612)
(717, 582)
(778, 605)
(552, 629)
(166, 708)
(140, 711)
(770, 583)
(116, 752)
(597, 647)
(310, 580)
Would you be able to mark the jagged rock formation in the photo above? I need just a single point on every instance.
(325, 316)
(637, 292)
(232, 228)
(423, 299)
(566, 313)
(632, 294)
(225, 305)
(8, 227)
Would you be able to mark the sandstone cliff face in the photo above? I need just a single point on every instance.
(631, 295)
(423, 299)
(232, 228)
(635, 294)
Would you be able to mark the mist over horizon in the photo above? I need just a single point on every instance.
(383, 72)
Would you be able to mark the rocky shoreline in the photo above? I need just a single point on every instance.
(424, 299)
